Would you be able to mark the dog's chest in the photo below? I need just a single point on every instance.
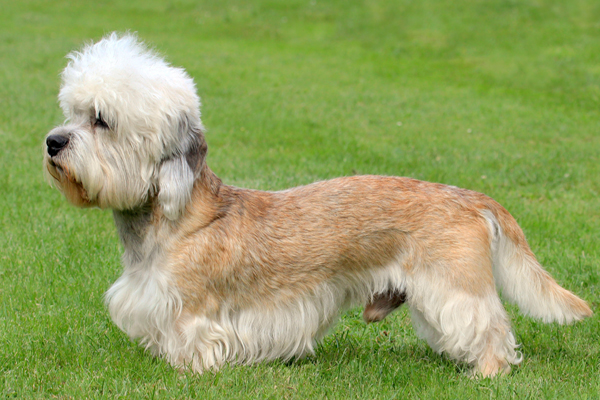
(143, 302)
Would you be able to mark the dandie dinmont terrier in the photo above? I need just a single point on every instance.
(215, 274)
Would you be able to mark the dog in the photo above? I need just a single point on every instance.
(215, 274)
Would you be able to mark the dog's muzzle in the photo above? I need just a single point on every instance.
(56, 143)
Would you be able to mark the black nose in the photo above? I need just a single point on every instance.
(56, 143)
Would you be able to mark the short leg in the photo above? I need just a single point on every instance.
(472, 329)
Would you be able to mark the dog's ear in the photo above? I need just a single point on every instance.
(179, 172)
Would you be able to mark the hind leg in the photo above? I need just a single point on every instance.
(453, 299)
(493, 341)
(470, 328)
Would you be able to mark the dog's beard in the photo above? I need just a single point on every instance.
(72, 189)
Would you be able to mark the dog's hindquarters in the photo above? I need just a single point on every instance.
(453, 299)
(460, 314)
(522, 279)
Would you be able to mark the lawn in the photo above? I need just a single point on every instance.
(498, 96)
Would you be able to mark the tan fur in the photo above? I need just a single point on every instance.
(71, 188)
(545, 281)
(262, 247)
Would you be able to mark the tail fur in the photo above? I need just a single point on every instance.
(521, 277)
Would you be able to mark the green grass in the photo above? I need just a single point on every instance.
(499, 96)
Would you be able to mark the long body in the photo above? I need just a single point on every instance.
(249, 275)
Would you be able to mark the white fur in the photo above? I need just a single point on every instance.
(144, 304)
(121, 166)
(456, 323)
(176, 181)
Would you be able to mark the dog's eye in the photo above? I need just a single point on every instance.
(100, 123)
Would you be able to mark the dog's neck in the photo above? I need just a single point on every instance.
(134, 228)
(209, 201)
(144, 229)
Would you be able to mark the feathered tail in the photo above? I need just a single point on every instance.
(521, 277)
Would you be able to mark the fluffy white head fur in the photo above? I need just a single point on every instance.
(131, 118)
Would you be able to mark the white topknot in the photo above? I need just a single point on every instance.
(121, 73)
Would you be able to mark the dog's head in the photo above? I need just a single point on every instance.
(132, 132)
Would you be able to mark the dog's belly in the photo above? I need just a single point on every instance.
(280, 327)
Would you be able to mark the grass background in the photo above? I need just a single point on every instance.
(499, 96)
